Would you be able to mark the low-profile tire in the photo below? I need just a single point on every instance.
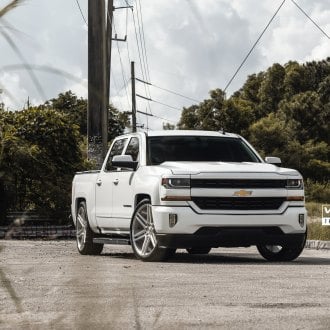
(199, 250)
(143, 235)
(84, 234)
(282, 253)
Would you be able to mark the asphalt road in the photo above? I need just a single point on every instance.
(48, 285)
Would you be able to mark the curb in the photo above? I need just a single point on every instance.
(317, 245)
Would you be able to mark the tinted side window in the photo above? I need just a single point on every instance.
(116, 149)
(133, 148)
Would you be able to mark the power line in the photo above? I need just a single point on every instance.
(168, 90)
(81, 12)
(254, 45)
(144, 75)
(152, 100)
(150, 115)
(175, 93)
(310, 19)
(166, 105)
(122, 67)
(144, 41)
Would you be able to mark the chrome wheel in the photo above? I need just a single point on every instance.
(143, 231)
(84, 234)
(143, 235)
(81, 229)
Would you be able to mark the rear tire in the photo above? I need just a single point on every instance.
(143, 235)
(84, 234)
(282, 253)
(199, 250)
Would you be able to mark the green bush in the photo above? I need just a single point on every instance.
(318, 232)
(314, 209)
(317, 191)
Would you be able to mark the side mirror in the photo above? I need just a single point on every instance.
(273, 160)
(124, 161)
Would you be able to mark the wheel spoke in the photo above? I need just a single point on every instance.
(81, 221)
(153, 239)
(142, 221)
(149, 214)
(145, 245)
(80, 232)
(139, 234)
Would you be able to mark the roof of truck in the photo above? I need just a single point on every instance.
(189, 133)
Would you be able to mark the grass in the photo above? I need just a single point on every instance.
(318, 232)
(315, 229)
(314, 209)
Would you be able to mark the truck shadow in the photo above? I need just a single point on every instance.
(241, 258)
(226, 258)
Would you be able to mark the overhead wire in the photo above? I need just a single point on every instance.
(81, 12)
(166, 105)
(254, 45)
(143, 41)
(249, 53)
(117, 91)
(308, 16)
(175, 93)
(141, 54)
(122, 67)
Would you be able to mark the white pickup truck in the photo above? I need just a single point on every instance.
(159, 191)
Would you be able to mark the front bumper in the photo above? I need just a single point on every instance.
(231, 237)
(189, 221)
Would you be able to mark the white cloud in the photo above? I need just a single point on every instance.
(193, 46)
(13, 95)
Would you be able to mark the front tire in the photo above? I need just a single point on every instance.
(282, 253)
(143, 235)
(84, 234)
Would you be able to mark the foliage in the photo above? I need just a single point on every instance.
(284, 111)
(41, 148)
(317, 191)
(318, 232)
(314, 210)
(39, 156)
(76, 109)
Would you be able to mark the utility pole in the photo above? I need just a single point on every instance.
(109, 19)
(97, 82)
(133, 98)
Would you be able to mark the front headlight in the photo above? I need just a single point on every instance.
(294, 184)
(176, 183)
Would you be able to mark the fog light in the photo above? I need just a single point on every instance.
(301, 220)
(172, 219)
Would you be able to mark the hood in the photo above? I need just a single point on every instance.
(195, 168)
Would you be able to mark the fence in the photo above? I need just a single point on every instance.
(29, 225)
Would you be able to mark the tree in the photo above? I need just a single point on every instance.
(39, 157)
(168, 126)
(271, 89)
(76, 109)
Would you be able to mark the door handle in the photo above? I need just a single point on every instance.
(99, 182)
(116, 181)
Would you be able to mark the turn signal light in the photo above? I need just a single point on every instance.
(295, 198)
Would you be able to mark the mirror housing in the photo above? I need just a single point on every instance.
(273, 160)
(124, 161)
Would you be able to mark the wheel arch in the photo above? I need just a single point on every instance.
(140, 197)
(78, 200)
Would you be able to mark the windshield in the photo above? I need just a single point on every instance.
(198, 149)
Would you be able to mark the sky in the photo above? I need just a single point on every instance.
(191, 47)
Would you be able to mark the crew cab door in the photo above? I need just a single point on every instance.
(123, 195)
(105, 183)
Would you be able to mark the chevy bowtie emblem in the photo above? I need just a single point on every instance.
(242, 193)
